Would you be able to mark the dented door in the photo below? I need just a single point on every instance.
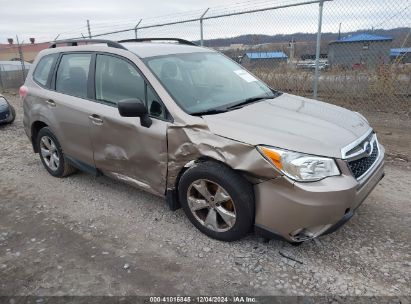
(122, 147)
(127, 151)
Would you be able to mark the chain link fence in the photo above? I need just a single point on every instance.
(348, 52)
(12, 74)
(364, 55)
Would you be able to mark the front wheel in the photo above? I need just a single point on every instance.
(217, 200)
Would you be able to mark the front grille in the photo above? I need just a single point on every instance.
(360, 166)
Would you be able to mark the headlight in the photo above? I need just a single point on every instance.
(298, 166)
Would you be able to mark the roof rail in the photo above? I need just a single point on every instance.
(180, 41)
(75, 42)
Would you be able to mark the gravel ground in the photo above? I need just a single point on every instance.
(84, 235)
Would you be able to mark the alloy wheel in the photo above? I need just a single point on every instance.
(49, 153)
(211, 205)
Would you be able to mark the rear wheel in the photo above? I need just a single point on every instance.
(217, 200)
(52, 155)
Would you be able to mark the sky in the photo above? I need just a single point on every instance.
(46, 19)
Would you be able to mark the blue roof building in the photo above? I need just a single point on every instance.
(401, 55)
(360, 51)
(363, 38)
(399, 51)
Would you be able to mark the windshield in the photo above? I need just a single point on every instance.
(203, 82)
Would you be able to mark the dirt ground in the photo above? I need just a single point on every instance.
(84, 235)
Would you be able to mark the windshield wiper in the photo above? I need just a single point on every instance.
(251, 100)
(237, 105)
(209, 112)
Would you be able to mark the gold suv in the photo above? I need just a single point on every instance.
(189, 124)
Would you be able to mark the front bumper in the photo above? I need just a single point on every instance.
(301, 211)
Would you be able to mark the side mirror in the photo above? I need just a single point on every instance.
(135, 108)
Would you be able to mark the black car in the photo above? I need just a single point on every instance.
(7, 112)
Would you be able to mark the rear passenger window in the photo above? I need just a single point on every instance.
(72, 74)
(116, 79)
(42, 71)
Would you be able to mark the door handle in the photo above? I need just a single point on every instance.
(51, 102)
(96, 119)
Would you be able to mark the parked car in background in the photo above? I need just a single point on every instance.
(188, 124)
(310, 65)
(7, 112)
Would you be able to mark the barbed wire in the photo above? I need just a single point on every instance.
(237, 7)
(395, 15)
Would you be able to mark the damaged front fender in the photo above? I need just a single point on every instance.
(192, 142)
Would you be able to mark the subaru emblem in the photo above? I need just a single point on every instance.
(367, 148)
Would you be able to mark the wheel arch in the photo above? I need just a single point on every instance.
(35, 129)
(192, 163)
(171, 193)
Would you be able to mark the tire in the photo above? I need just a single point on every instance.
(229, 195)
(56, 169)
(13, 114)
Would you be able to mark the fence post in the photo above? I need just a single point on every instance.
(201, 27)
(136, 28)
(317, 50)
(23, 67)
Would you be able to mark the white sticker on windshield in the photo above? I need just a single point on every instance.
(245, 75)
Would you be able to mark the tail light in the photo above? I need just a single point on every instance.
(23, 91)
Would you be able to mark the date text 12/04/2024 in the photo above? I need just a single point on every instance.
(203, 299)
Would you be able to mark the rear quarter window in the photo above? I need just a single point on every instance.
(43, 69)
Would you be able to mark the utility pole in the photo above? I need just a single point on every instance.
(339, 31)
(88, 28)
(291, 46)
(317, 51)
(23, 67)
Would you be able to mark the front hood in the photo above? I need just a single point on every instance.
(291, 122)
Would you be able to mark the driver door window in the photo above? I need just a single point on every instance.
(117, 79)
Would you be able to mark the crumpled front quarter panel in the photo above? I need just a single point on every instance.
(191, 142)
